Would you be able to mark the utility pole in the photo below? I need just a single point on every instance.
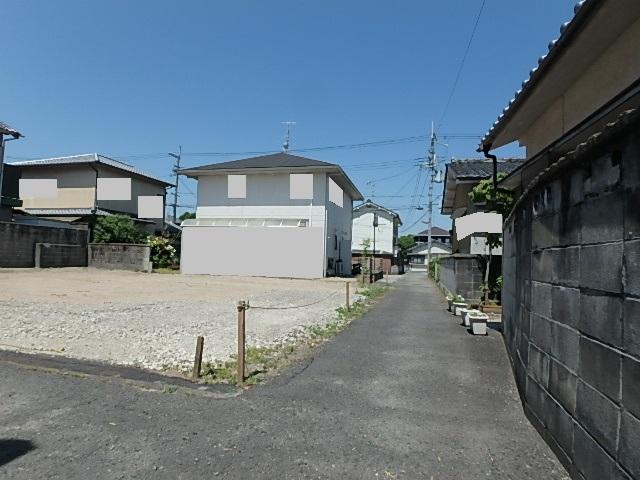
(431, 171)
(176, 168)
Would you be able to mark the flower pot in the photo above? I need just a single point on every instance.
(478, 322)
(464, 312)
(491, 309)
(456, 306)
(450, 302)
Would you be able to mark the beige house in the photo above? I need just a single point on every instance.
(79, 188)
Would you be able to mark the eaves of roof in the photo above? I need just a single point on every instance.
(568, 32)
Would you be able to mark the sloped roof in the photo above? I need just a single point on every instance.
(7, 130)
(90, 158)
(472, 169)
(423, 247)
(274, 160)
(435, 230)
(277, 162)
(368, 204)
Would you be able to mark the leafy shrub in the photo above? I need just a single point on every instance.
(117, 229)
(162, 252)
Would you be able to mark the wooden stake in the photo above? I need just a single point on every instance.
(197, 362)
(348, 305)
(241, 342)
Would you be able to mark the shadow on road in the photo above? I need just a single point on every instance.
(12, 448)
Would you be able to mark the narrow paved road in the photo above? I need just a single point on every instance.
(404, 393)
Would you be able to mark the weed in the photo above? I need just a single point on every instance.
(169, 389)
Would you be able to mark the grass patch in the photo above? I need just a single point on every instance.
(166, 270)
(262, 363)
(169, 389)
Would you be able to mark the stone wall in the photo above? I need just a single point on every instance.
(49, 255)
(571, 305)
(18, 245)
(461, 274)
(120, 256)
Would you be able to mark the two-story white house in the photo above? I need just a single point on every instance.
(276, 215)
(385, 233)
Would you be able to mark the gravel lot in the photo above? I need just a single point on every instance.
(152, 320)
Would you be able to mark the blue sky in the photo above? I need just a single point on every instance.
(133, 80)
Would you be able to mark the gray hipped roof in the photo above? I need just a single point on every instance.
(90, 158)
(473, 169)
(435, 231)
(277, 162)
(274, 160)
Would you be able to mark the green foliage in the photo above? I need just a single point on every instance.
(434, 267)
(502, 202)
(186, 216)
(162, 252)
(405, 243)
(117, 229)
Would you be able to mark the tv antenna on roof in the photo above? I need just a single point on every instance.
(288, 125)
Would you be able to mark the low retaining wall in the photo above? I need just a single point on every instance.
(60, 255)
(120, 256)
(18, 245)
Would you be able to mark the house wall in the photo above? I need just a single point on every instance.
(363, 229)
(339, 224)
(292, 252)
(462, 274)
(77, 184)
(617, 68)
(571, 308)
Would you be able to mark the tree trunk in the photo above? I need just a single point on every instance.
(486, 277)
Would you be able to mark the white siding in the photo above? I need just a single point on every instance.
(363, 229)
(284, 252)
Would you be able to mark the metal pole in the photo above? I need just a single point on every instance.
(1, 164)
(178, 157)
(241, 342)
(431, 167)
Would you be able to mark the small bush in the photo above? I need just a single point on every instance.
(117, 229)
(163, 253)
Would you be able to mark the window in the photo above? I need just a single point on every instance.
(335, 193)
(236, 186)
(301, 186)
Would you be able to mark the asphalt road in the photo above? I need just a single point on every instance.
(404, 393)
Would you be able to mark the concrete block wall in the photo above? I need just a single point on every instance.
(571, 310)
(18, 244)
(461, 274)
(120, 256)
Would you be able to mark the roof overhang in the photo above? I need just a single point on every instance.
(596, 25)
(451, 189)
(334, 172)
(370, 206)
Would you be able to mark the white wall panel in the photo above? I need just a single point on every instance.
(253, 251)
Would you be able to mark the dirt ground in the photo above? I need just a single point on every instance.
(152, 320)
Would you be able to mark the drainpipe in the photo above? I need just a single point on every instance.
(494, 159)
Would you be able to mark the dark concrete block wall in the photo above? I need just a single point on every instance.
(571, 310)
(17, 243)
(461, 274)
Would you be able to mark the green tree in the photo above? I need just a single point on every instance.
(405, 243)
(117, 229)
(500, 201)
(187, 215)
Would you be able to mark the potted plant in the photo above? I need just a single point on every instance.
(477, 321)
(457, 303)
(491, 306)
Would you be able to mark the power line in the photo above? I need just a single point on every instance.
(462, 62)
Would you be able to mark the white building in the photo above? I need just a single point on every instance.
(386, 234)
(419, 255)
(277, 215)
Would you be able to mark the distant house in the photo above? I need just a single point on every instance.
(278, 215)
(460, 272)
(386, 235)
(80, 188)
(437, 235)
(418, 256)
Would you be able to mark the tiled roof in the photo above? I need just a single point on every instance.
(274, 160)
(441, 232)
(63, 212)
(90, 158)
(567, 31)
(372, 205)
(7, 130)
(473, 169)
